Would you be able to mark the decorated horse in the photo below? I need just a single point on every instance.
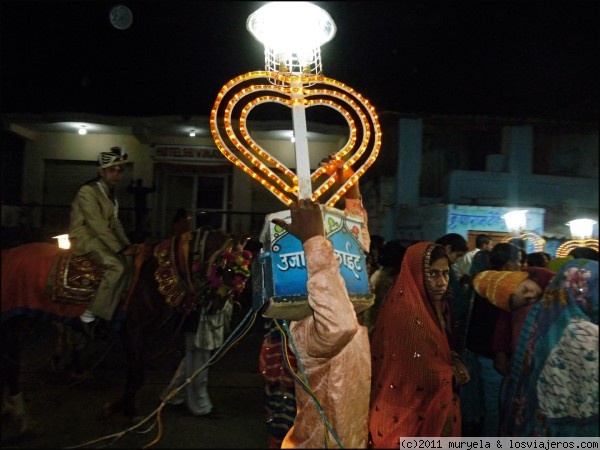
(198, 269)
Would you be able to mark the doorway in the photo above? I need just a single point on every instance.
(203, 191)
(497, 236)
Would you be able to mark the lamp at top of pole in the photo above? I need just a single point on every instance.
(292, 34)
(516, 221)
(581, 228)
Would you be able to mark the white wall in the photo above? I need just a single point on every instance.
(70, 146)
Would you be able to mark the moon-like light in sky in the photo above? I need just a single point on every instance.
(121, 17)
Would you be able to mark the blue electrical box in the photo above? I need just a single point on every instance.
(279, 272)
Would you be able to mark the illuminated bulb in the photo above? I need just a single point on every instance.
(310, 27)
(515, 220)
(581, 228)
(192, 133)
(566, 247)
(63, 239)
(82, 130)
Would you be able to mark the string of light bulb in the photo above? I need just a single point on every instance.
(262, 166)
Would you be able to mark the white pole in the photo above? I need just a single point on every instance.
(301, 141)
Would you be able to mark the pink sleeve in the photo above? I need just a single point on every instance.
(333, 322)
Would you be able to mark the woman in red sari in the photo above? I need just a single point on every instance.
(415, 372)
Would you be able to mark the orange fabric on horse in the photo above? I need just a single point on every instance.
(25, 271)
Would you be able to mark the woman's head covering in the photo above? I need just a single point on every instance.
(575, 286)
(410, 282)
(416, 261)
(556, 355)
(409, 325)
(497, 286)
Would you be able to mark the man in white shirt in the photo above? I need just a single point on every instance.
(462, 266)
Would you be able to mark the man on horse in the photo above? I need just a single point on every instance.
(96, 231)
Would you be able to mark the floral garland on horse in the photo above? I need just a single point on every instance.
(208, 282)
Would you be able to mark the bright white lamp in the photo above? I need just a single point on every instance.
(63, 240)
(515, 220)
(516, 223)
(581, 228)
(581, 236)
(292, 33)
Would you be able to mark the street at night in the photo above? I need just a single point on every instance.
(68, 409)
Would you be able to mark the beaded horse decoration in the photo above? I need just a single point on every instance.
(202, 268)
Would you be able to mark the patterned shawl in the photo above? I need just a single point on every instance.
(412, 387)
(552, 389)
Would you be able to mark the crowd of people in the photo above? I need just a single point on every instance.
(452, 339)
(454, 349)
(452, 345)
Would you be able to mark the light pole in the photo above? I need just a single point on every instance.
(581, 236)
(292, 34)
(516, 224)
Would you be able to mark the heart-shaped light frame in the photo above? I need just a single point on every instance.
(317, 90)
(565, 248)
(539, 243)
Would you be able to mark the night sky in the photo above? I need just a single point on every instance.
(495, 58)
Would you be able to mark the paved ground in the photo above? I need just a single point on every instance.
(68, 409)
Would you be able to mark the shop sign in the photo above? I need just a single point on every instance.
(461, 219)
(195, 153)
(280, 270)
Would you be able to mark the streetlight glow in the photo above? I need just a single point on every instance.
(63, 241)
(581, 228)
(516, 223)
(515, 220)
(581, 236)
(292, 33)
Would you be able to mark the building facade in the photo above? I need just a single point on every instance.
(442, 174)
(434, 174)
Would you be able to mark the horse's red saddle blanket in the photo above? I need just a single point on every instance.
(74, 279)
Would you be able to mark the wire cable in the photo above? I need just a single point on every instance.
(303, 380)
(234, 337)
